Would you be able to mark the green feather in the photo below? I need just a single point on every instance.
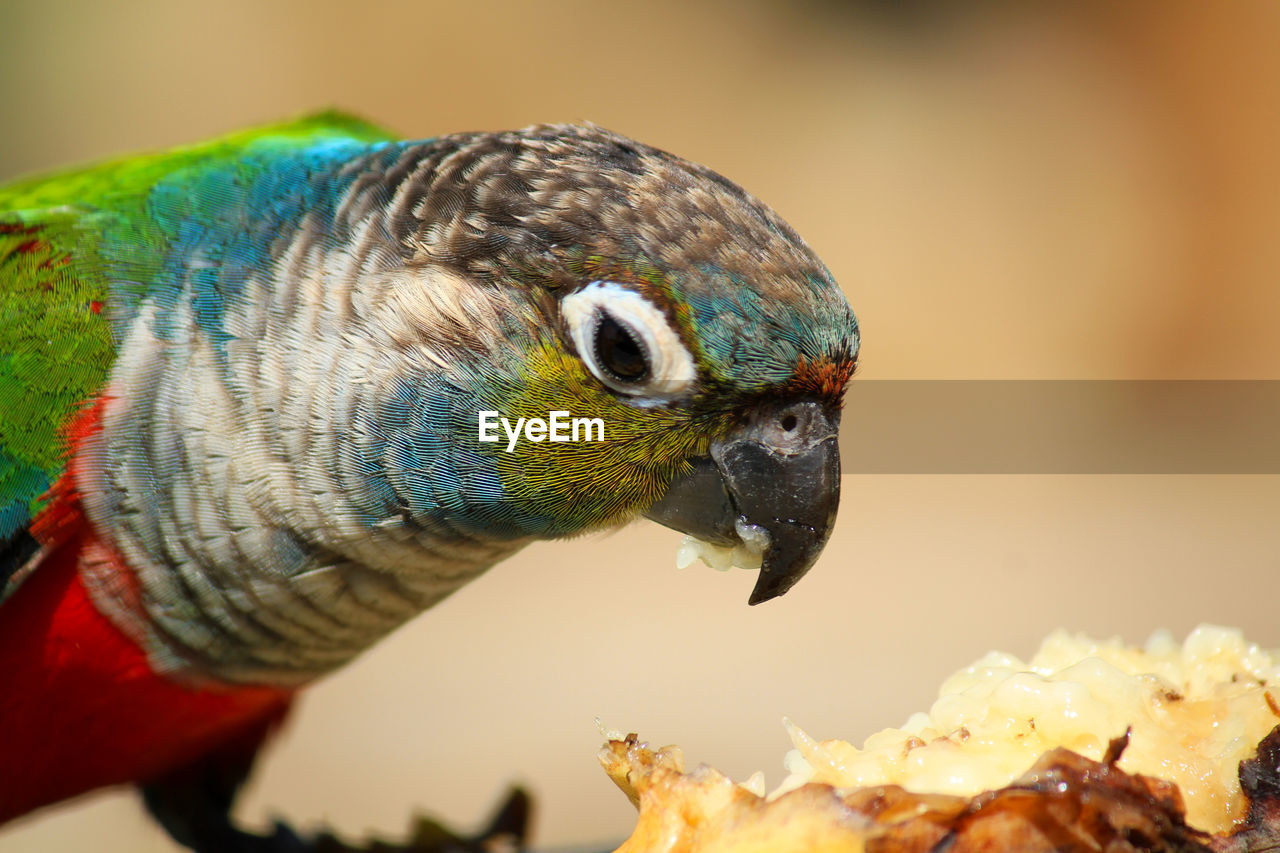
(55, 297)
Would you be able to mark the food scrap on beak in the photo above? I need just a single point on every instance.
(772, 487)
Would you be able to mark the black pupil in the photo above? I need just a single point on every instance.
(618, 352)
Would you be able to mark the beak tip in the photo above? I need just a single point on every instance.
(771, 585)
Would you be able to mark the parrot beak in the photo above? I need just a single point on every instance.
(779, 473)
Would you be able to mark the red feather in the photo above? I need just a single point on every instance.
(80, 707)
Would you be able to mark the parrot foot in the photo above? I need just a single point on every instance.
(506, 832)
(209, 830)
(193, 804)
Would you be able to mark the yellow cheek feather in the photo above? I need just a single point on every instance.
(594, 480)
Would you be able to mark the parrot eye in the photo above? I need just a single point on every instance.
(617, 350)
(626, 342)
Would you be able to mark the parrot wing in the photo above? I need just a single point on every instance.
(72, 247)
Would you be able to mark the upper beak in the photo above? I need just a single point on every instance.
(780, 472)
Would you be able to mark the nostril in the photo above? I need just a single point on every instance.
(788, 422)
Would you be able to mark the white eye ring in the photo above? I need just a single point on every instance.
(670, 367)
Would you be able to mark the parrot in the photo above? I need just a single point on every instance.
(265, 398)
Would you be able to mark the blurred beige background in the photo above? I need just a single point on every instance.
(1052, 192)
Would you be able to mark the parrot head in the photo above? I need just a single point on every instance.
(627, 334)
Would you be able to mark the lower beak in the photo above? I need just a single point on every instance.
(779, 473)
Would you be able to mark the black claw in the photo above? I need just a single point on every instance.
(506, 832)
(197, 817)
(512, 818)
